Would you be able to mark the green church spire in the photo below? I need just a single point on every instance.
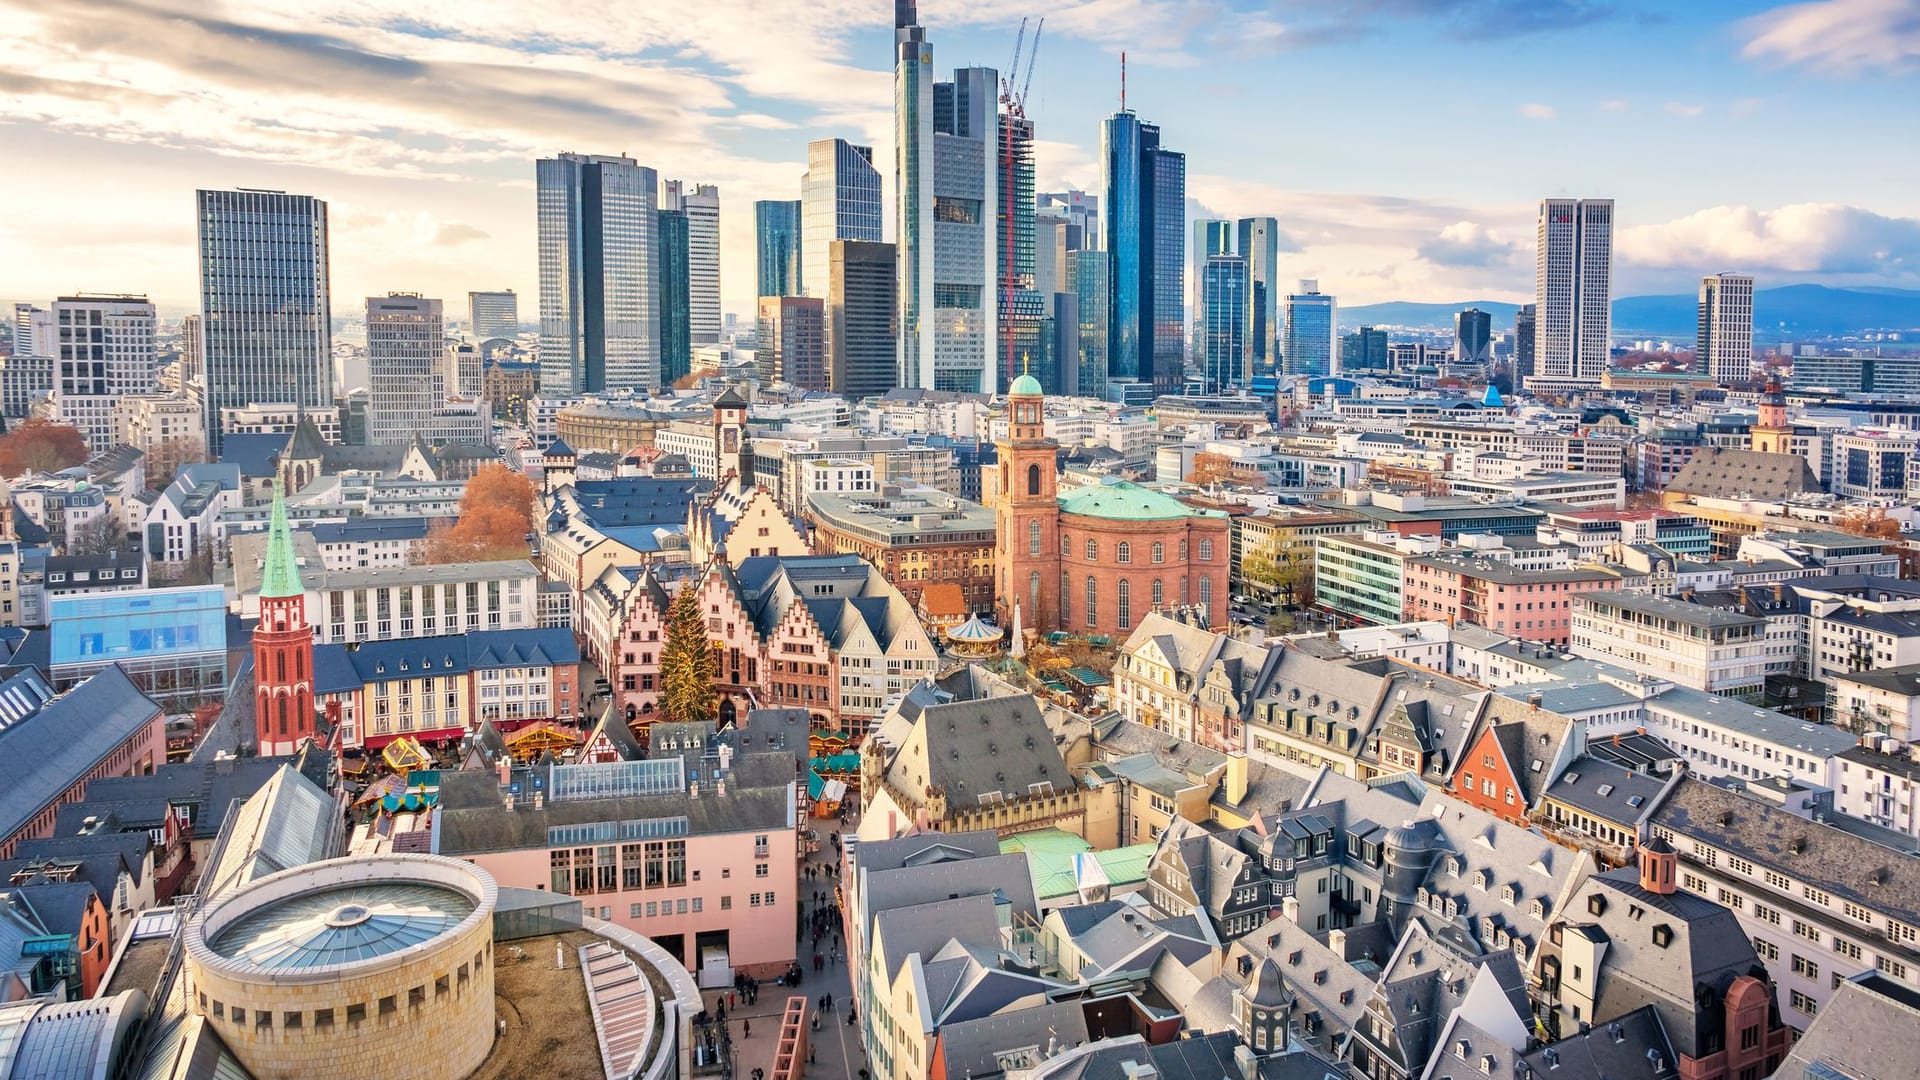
(281, 577)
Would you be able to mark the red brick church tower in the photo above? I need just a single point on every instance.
(282, 646)
(1027, 548)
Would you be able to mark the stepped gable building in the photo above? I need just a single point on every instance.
(1097, 559)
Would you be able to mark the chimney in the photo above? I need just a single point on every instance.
(1235, 782)
(1290, 907)
(506, 771)
(1779, 593)
(1245, 1061)
(1337, 943)
(1534, 698)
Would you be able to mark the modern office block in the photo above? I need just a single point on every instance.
(839, 200)
(1307, 318)
(862, 319)
(1364, 350)
(1225, 356)
(406, 382)
(1525, 322)
(1088, 272)
(1724, 349)
(1079, 210)
(1022, 307)
(702, 206)
(599, 304)
(266, 326)
(776, 247)
(791, 342)
(102, 349)
(1258, 242)
(1573, 290)
(1472, 337)
(676, 335)
(493, 315)
(1145, 229)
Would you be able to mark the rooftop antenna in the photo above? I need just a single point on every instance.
(1123, 80)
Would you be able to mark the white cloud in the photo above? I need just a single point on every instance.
(1838, 37)
(1537, 111)
(1614, 105)
(1467, 243)
(1804, 238)
(1685, 109)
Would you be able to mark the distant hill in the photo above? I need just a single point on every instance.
(1789, 311)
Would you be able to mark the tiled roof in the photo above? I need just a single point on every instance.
(43, 754)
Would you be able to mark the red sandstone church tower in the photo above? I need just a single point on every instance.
(282, 646)
(1027, 549)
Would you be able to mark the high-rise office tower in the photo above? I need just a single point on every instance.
(1258, 242)
(791, 342)
(406, 377)
(1573, 290)
(1307, 326)
(839, 200)
(33, 333)
(1225, 358)
(102, 349)
(1144, 204)
(599, 304)
(1081, 212)
(191, 365)
(1211, 236)
(702, 206)
(1724, 349)
(1472, 337)
(266, 325)
(1524, 321)
(1026, 340)
(1049, 254)
(676, 339)
(1087, 272)
(776, 247)
(947, 149)
(862, 319)
(1364, 350)
(493, 315)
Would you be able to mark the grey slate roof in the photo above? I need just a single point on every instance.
(1620, 1047)
(1608, 791)
(971, 1047)
(42, 755)
(1724, 473)
(1864, 1032)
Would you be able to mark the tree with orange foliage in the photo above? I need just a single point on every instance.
(496, 514)
(1209, 469)
(38, 445)
(1871, 522)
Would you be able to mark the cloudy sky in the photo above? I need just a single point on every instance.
(1401, 143)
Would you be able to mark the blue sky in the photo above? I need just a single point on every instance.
(1401, 143)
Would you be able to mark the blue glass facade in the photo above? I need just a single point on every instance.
(1145, 208)
(171, 642)
(676, 311)
(776, 232)
(1223, 341)
(1307, 338)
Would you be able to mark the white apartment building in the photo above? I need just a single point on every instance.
(388, 603)
(1705, 648)
(1884, 701)
(279, 418)
(104, 350)
(1876, 464)
(835, 476)
(168, 430)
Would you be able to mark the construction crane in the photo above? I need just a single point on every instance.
(1016, 103)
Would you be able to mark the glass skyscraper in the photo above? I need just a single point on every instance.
(266, 322)
(1144, 203)
(839, 200)
(676, 338)
(1258, 242)
(1472, 336)
(861, 319)
(1087, 271)
(777, 251)
(1573, 290)
(492, 315)
(1224, 354)
(1306, 346)
(599, 304)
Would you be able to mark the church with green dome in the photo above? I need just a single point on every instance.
(1096, 558)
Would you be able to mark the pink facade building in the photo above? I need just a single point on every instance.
(1530, 604)
(699, 853)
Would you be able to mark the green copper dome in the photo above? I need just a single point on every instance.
(1026, 385)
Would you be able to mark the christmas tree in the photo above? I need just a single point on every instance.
(686, 661)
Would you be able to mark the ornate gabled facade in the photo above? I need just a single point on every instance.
(738, 523)
(282, 646)
(1183, 679)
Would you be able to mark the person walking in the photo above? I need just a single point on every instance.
(746, 1028)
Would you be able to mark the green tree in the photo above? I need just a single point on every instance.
(686, 660)
(1288, 575)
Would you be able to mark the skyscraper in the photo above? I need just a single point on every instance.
(1724, 349)
(1081, 212)
(1211, 236)
(1472, 337)
(792, 342)
(776, 247)
(1025, 338)
(493, 315)
(1145, 229)
(1573, 290)
(406, 378)
(913, 188)
(1224, 354)
(702, 205)
(33, 333)
(839, 200)
(1258, 242)
(1087, 273)
(676, 342)
(1364, 350)
(266, 325)
(102, 349)
(1306, 337)
(599, 304)
(1524, 322)
(862, 319)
